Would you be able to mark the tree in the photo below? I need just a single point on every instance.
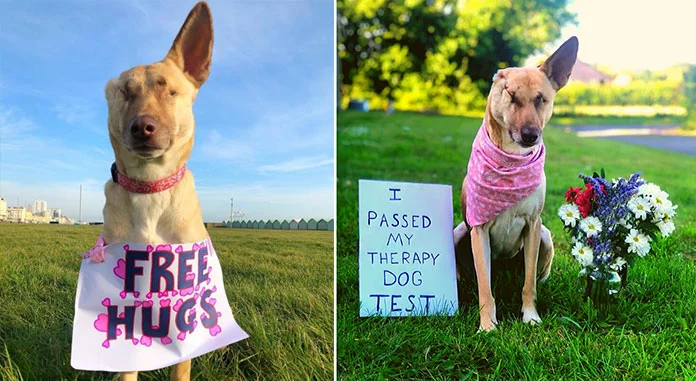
(439, 54)
(689, 90)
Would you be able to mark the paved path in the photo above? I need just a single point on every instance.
(661, 137)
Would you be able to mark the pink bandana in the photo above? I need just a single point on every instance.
(140, 186)
(496, 180)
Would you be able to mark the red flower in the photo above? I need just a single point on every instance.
(584, 201)
(572, 194)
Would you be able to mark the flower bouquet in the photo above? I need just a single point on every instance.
(611, 224)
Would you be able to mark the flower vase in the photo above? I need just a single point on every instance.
(603, 289)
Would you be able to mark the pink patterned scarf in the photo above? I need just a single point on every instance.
(496, 180)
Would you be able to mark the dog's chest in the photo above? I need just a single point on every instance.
(506, 231)
(148, 213)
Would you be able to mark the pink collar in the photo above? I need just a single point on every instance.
(497, 180)
(140, 186)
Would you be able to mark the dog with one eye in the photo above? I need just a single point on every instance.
(504, 189)
(151, 196)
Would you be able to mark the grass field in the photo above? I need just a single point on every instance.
(652, 335)
(279, 284)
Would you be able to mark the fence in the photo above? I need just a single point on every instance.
(310, 224)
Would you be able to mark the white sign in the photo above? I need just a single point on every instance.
(147, 307)
(406, 262)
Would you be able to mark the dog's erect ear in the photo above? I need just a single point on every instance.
(192, 49)
(558, 67)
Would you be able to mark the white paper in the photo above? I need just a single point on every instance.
(406, 263)
(101, 285)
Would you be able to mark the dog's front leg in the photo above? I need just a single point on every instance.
(128, 376)
(181, 371)
(481, 248)
(531, 256)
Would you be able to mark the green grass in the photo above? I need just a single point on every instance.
(279, 284)
(652, 335)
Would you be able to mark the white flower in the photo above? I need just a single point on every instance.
(649, 189)
(570, 214)
(618, 263)
(666, 227)
(638, 243)
(625, 223)
(591, 226)
(639, 206)
(661, 203)
(583, 254)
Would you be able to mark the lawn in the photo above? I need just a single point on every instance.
(652, 335)
(279, 284)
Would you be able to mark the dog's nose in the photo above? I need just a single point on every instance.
(143, 127)
(530, 135)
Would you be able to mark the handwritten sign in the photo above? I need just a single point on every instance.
(406, 263)
(147, 307)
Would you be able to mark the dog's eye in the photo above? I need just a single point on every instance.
(124, 91)
(539, 100)
(513, 99)
(172, 92)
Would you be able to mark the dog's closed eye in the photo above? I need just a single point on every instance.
(124, 91)
(513, 99)
(539, 100)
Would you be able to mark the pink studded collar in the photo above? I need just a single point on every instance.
(140, 186)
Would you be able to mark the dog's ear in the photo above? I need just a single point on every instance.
(558, 67)
(192, 49)
(500, 74)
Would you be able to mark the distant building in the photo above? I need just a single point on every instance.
(32, 218)
(269, 224)
(586, 73)
(331, 224)
(276, 224)
(302, 225)
(312, 224)
(40, 207)
(285, 225)
(294, 225)
(54, 214)
(322, 224)
(16, 214)
(3, 209)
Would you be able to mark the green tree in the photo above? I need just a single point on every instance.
(439, 54)
(689, 90)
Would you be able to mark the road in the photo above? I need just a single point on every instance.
(651, 136)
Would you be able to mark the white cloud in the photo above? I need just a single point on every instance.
(298, 164)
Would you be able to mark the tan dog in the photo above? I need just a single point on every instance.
(520, 104)
(151, 130)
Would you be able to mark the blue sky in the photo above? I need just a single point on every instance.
(264, 117)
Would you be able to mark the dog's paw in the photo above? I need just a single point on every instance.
(531, 316)
(490, 328)
(487, 326)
